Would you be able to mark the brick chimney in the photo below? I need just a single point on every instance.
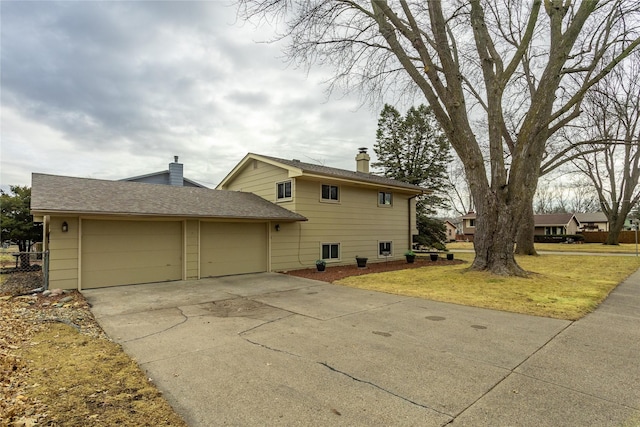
(362, 160)
(175, 173)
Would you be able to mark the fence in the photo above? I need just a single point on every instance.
(601, 236)
(24, 270)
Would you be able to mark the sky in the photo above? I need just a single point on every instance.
(111, 90)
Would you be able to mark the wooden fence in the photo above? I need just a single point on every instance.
(601, 236)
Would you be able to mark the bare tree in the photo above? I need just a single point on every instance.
(520, 67)
(613, 114)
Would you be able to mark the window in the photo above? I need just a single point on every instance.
(384, 249)
(283, 190)
(331, 251)
(330, 192)
(384, 198)
(472, 222)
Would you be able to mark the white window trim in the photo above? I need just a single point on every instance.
(378, 249)
(328, 260)
(384, 205)
(323, 200)
(284, 199)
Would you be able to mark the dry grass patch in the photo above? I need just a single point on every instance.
(626, 248)
(83, 381)
(561, 287)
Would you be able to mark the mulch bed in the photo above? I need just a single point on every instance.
(331, 274)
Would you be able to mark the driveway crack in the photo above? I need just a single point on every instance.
(185, 318)
(241, 335)
(326, 365)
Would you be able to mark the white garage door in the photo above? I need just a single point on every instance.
(130, 252)
(232, 248)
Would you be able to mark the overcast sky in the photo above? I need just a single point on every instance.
(111, 90)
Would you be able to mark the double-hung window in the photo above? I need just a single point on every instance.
(330, 193)
(283, 191)
(331, 251)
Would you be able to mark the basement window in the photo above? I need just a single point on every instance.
(331, 251)
(384, 249)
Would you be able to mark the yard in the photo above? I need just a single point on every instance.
(58, 368)
(560, 286)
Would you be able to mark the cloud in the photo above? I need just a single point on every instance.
(117, 89)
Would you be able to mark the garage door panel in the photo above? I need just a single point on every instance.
(233, 248)
(130, 252)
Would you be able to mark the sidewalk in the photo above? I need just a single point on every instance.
(588, 375)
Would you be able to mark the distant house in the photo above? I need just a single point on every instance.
(172, 176)
(450, 230)
(268, 214)
(551, 224)
(546, 224)
(596, 221)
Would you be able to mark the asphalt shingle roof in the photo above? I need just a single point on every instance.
(53, 193)
(343, 173)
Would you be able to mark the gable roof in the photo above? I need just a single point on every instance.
(298, 168)
(62, 194)
(553, 219)
(592, 217)
(541, 220)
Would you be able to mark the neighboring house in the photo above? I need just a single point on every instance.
(596, 221)
(288, 215)
(350, 212)
(171, 176)
(468, 226)
(549, 224)
(450, 230)
(545, 224)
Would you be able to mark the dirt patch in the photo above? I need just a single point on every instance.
(331, 274)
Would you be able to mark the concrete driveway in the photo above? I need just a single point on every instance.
(271, 349)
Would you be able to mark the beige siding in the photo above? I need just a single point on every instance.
(192, 249)
(356, 222)
(232, 248)
(260, 178)
(129, 252)
(63, 253)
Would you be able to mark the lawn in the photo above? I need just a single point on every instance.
(560, 247)
(560, 286)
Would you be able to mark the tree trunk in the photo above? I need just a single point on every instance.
(526, 230)
(495, 237)
(616, 223)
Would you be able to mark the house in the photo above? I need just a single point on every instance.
(171, 176)
(349, 212)
(450, 229)
(468, 226)
(268, 214)
(595, 221)
(552, 224)
(544, 224)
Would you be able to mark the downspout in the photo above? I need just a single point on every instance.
(409, 217)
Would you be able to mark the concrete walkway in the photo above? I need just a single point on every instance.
(271, 349)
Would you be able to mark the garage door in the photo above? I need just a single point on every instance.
(232, 248)
(130, 252)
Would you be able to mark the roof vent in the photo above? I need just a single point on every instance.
(296, 160)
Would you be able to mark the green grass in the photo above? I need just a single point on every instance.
(562, 287)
